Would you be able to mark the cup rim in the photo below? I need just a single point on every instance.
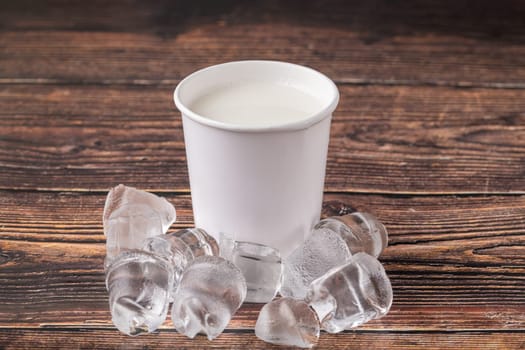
(324, 112)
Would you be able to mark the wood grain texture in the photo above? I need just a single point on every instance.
(423, 140)
(455, 263)
(429, 136)
(100, 338)
(459, 44)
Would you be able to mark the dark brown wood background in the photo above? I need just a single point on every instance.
(429, 136)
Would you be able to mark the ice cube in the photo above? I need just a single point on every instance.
(179, 248)
(261, 266)
(123, 195)
(288, 321)
(323, 250)
(352, 294)
(131, 216)
(209, 293)
(172, 250)
(199, 241)
(331, 243)
(139, 284)
(362, 232)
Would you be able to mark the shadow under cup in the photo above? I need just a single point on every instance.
(257, 183)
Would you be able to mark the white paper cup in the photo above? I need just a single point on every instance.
(257, 184)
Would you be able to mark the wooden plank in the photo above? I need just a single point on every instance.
(109, 339)
(379, 42)
(384, 139)
(164, 16)
(455, 263)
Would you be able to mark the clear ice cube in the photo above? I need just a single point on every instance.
(199, 241)
(323, 250)
(209, 293)
(261, 266)
(288, 321)
(138, 284)
(172, 250)
(362, 232)
(122, 195)
(331, 243)
(180, 248)
(352, 294)
(131, 216)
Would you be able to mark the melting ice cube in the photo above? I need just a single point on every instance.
(210, 292)
(352, 294)
(288, 321)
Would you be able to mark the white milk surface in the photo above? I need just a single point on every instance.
(256, 103)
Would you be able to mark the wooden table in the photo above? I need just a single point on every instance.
(429, 135)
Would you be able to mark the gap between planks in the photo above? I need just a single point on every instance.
(348, 81)
(53, 328)
(182, 191)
